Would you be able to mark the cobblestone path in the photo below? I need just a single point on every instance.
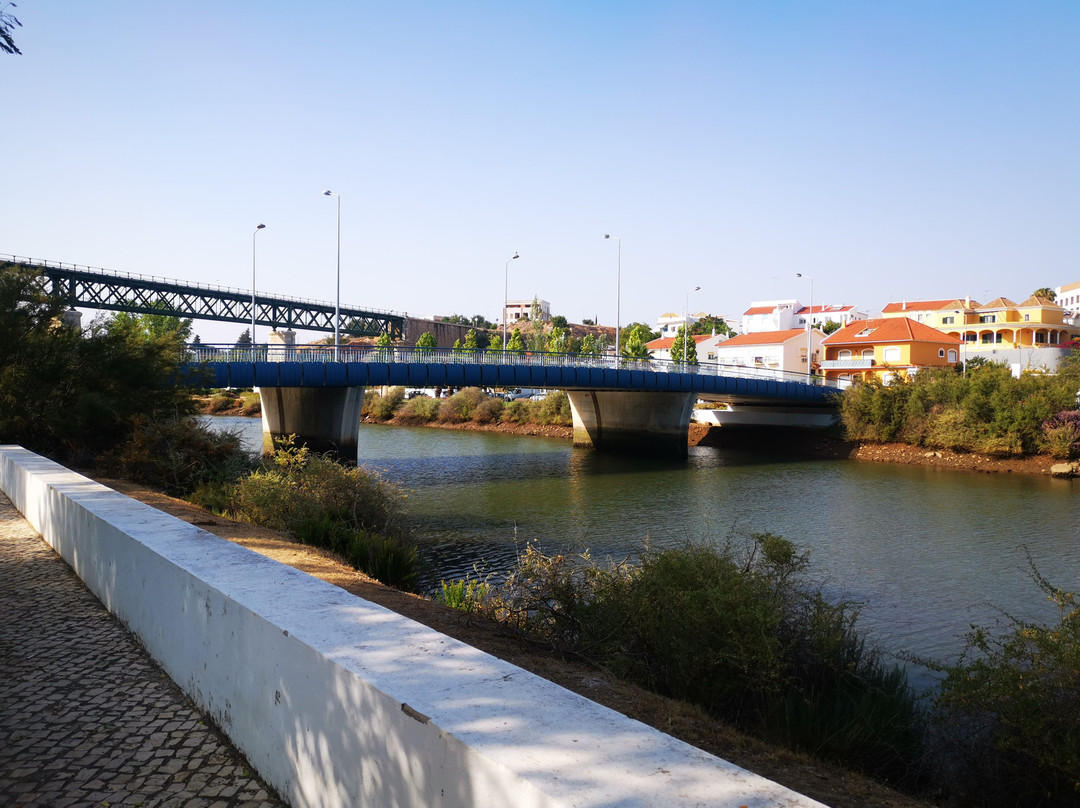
(86, 717)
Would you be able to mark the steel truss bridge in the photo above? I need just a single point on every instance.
(95, 288)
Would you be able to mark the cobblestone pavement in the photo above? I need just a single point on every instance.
(86, 717)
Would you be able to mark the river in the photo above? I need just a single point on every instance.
(928, 551)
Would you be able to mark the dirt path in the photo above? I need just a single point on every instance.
(829, 784)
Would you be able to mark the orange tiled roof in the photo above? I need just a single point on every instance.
(665, 343)
(763, 337)
(824, 309)
(928, 305)
(888, 329)
(760, 310)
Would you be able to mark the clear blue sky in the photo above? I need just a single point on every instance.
(891, 150)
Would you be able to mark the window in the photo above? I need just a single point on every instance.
(987, 318)
(891, 353)
(948, 320)
(844, 354)
(759, 360)
(866, 332)
(952, 355)
(941, 353)
(868, 353)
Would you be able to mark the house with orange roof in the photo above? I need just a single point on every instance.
(774, 350)
(1026, 335)
(705, 344)
(886, 348)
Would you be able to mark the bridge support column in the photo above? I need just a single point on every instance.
(325, 419)
(624, 420)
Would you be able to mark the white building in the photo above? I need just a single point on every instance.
(782, 315)
(522, 310)
(668, 324)
(773, 350)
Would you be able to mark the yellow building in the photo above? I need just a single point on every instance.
(1038, 322)
(886, 348)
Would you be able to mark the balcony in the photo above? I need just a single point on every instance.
(847, 364)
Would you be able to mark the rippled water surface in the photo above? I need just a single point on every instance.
(929, 551)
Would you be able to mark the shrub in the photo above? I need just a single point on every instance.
(419, 410)
(178, 456)
(383, 407)
(488, 411)
(554, 409)
(220, 402)
(460, 406)
(737, 631)
(350, 511)
(1062, 432)
(1007, 710)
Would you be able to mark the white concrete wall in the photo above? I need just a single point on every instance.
(338, 702)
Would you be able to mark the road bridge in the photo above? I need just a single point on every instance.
(316, 392)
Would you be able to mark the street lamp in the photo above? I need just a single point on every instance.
(506, 276)
(618, 295)
(337, 298)
(258, 227)
(809, 331)
(686, 324)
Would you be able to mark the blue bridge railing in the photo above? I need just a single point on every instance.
(203, 353)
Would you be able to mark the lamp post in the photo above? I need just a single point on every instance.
(258, 227)
(686, 324)
(618, 295)
(809, 332)
(337, 297)
(506, 276)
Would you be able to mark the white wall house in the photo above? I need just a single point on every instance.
(781, 315)
(522, 310)
(668, 324)
(706, 346)
(774, 350)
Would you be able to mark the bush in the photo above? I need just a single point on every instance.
(178, 456)
(736, 631)
(419, 410)
(1062, 432)
(460, 406)
(382, 407)
(220, 402)
(488, 411)
(1008, 709)
(350, 511)
(554, 409)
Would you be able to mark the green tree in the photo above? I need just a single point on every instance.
(75, 394)
(680, 340)
(244, 340)
(471, 344)
(427, 340)
(710, 324)
(831, 326)
(644, 333)
(634, 347)
(558, 340)
(516, 341)
(590, 345)
(384, 341)
(1045, 291)
(8, 23)
(559, 321)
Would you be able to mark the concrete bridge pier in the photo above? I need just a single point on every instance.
(624, 420)
(325, 419)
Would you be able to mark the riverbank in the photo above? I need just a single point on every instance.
(797, 443)
(821, 781)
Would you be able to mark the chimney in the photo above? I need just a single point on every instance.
(967, 301)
